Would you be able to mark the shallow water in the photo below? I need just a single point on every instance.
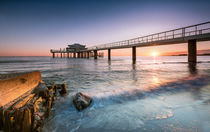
(166, 94)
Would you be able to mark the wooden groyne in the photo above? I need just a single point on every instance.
(25, 101)
(14, 85)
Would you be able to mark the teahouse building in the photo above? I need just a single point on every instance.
(75, 47)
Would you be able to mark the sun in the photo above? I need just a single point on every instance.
(154, 54)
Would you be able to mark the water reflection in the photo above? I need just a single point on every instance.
(155, 80)
(154, 59)
(192, 68)
(109, 65)
(134, 73)
(109, 62)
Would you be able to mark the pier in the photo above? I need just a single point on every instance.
(190, 35)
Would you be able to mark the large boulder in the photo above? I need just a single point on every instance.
(81, 101)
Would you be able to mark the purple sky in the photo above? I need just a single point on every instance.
(35, 27)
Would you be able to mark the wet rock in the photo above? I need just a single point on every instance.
(50, 85)
(81, 101)
(37, 117)
(63, 88)
(42, 91)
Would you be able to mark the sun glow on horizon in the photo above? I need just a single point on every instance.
(154, 54)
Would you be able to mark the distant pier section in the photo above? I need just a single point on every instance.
(75, 51)
(190, 35)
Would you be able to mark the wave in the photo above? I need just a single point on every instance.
(16, 61)
(192, 84)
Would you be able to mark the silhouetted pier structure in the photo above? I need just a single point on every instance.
(75, 51)
(190, 34)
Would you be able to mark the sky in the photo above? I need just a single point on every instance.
(32, 28)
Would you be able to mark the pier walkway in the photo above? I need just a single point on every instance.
(190, 34)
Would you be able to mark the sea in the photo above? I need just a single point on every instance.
(162, 93)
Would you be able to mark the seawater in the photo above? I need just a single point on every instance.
(155, 94)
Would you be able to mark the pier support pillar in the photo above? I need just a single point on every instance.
(53, 55)
(95, 54)
(61, 55)
(109, 54)
(88, 54)
(192, 51)
(78, 55)
(67, 55)
(134, 54)
(82, 54)
(74, 54)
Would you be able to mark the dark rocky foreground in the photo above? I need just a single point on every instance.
(28, 112)
(26, 101)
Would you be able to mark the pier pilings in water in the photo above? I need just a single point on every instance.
(109, 54)
(192, 51)
(95, 54)
(81, 54)
(88, 54)
(53, 55)
(134, 54)
(78, 55)
(74, 54)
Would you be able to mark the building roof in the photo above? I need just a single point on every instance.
(76, 45)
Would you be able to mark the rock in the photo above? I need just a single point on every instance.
(63, 88)
(42, 91)
(50, 85)
(44, 94)
(37, 117)
(81, 101)
(58, 86)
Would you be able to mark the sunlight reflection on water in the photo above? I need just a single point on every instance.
(166, 95)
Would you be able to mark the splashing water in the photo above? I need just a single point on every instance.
(165, 95)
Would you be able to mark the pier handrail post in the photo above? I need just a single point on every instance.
(183, 32)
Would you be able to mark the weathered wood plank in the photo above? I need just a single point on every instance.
(23, 101)
(12, 88)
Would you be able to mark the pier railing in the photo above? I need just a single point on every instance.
(58, 51)
(198, 29)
